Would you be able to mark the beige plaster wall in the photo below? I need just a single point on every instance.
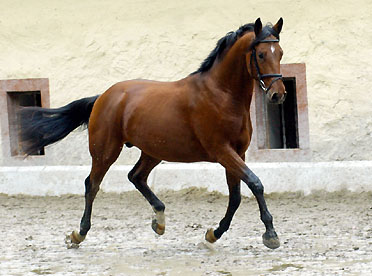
(84, 47)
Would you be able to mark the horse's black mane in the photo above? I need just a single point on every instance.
(229, 39)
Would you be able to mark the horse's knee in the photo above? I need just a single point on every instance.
(253, 182)
(255, 185)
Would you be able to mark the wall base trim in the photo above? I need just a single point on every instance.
(304, 177)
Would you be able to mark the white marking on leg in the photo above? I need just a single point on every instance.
(160, 217)
(272, 49)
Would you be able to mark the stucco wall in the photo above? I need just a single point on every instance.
(84, 47)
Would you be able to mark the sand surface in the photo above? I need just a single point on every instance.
(323, 234)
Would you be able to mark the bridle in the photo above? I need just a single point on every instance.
(260, 76)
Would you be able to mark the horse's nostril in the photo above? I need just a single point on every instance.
(275, 97)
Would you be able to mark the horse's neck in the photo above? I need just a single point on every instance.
(231, 73)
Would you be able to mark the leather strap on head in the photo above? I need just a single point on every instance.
(260, 76)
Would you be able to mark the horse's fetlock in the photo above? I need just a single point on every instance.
(160, 207)
(266, 217)
(84, 227)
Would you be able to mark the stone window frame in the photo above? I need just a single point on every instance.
(295, 71)
(18, 85)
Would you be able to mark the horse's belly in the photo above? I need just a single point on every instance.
(176, 154)
(167, 139)
(171, 146)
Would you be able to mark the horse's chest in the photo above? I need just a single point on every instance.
(237, 131)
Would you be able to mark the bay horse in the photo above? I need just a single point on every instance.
(203, 117)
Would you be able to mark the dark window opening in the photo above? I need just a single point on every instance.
(281, 121)
(14, 101)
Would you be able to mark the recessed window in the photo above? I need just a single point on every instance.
(15, 100)
(281, 120)
(15, 94)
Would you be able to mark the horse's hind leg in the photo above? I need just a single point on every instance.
(234, 202)
(103, 157)
(138, 176)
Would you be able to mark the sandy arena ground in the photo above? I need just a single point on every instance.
(324, 234)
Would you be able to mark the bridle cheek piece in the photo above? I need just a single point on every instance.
(260, 76)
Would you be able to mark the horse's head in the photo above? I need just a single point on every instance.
(263, 61)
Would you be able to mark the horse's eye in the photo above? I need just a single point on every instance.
(261, 55)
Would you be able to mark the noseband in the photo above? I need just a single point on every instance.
(260, 77)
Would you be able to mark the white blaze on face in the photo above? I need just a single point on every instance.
(272, 49)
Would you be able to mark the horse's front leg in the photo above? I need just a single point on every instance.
(235, 165)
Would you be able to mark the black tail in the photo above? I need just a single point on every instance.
(43, 126)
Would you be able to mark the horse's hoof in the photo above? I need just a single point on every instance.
(271, 240)
(73, 240)
(209, 236)
(157, 227)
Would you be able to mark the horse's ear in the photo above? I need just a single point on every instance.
(257, 26)
(278, 26)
